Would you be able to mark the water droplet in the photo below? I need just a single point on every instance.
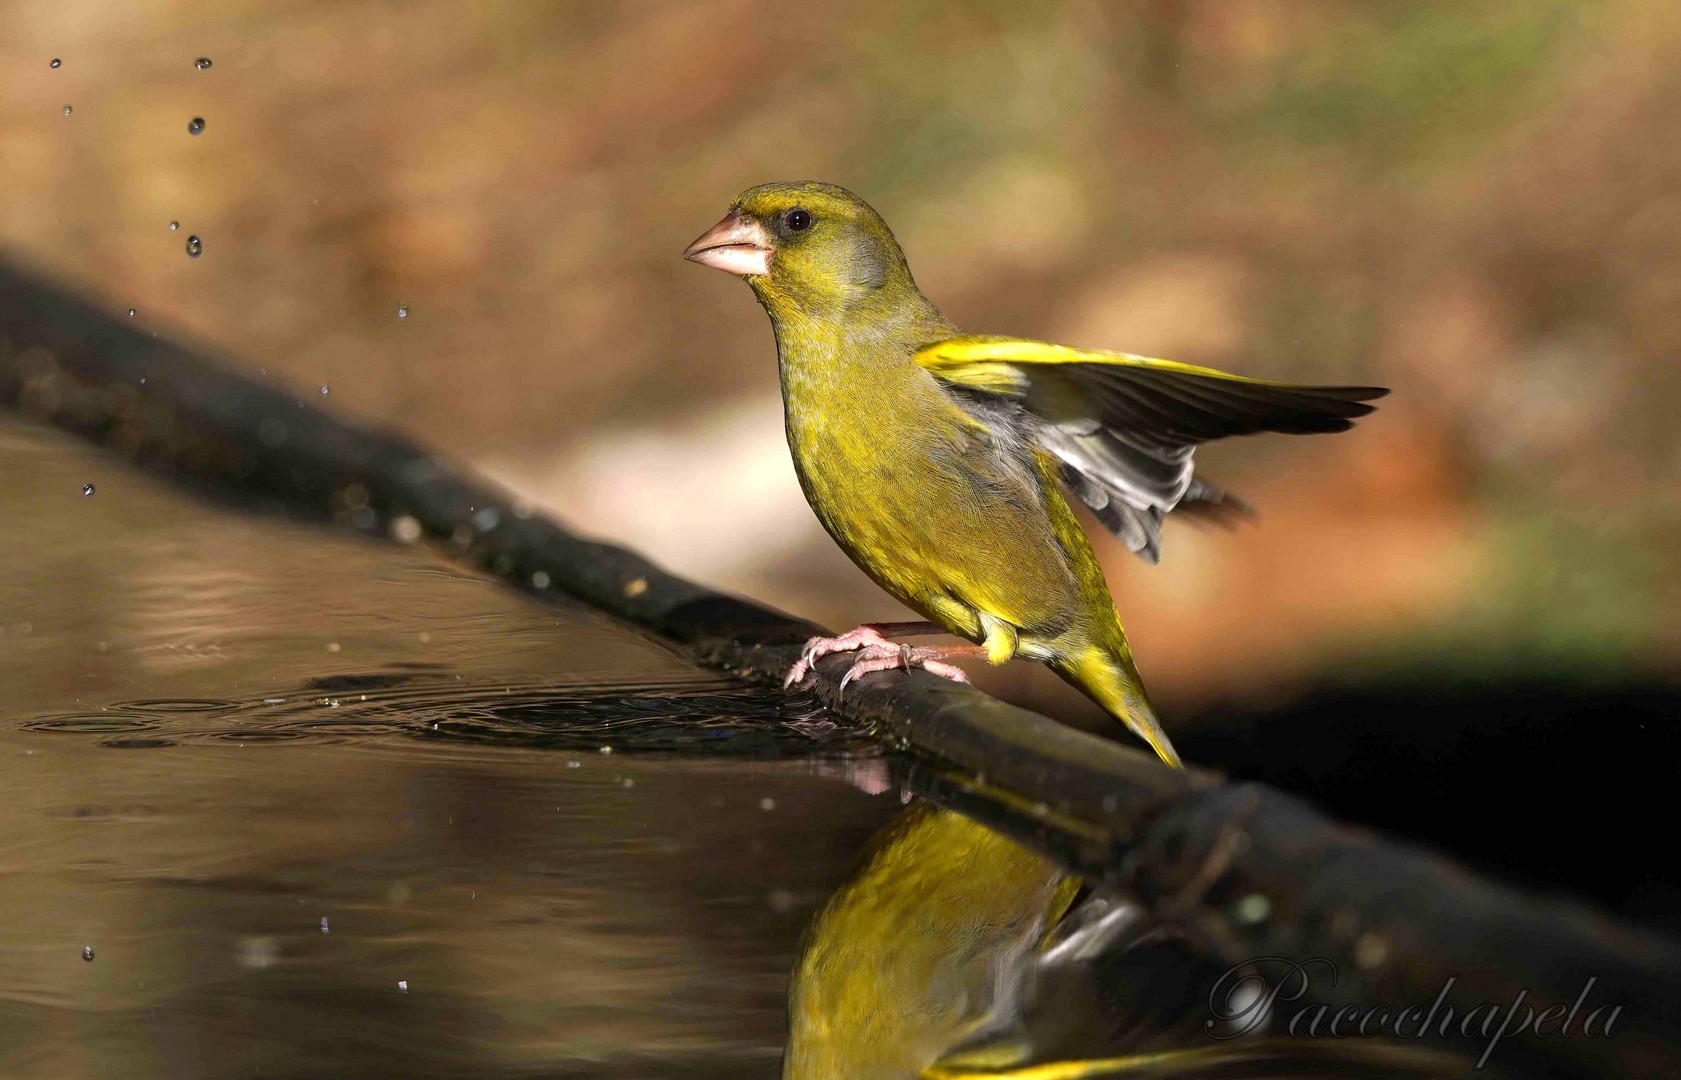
(402, 311)
(403, 985)
(606, 749)
(87, 952)
(323, 389)
(1371, 951)
(202, 63)
(767, 804)
(56, 62)
(87, 491)
(195, 125)
(67, 110)
(1253, 909)
(173, 225)
(195, 246)
(131, 313)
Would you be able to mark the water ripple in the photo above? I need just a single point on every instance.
(642, 716)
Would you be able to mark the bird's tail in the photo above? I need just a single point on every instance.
(1109, 678)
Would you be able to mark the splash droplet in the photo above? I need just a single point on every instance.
(173, 225)
(403, 985)
(56, 62)
(67, 110)
(323, 389)
(87, 952)
(324, 928)
(195, 125)
(87, 491)
(202, 63)
(402, 311)
(131, 313)
(195, 247)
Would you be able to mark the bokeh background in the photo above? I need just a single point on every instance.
(1476, 203)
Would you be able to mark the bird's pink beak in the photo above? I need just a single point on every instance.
(737, 245)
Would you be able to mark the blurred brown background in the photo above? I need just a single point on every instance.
(1476, 203)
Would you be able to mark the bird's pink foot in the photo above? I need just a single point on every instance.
(875, 653)
(818, 647)
(889, 656)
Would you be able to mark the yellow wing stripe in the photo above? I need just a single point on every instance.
(974, 361)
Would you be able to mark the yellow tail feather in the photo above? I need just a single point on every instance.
(1113, 683)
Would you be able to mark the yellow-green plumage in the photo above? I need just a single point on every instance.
(937, 461)
(912, 953)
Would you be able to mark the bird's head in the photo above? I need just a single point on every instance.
(806, 246)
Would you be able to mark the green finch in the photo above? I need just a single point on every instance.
(939, 460)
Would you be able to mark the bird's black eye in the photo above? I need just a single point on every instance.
(797, 220)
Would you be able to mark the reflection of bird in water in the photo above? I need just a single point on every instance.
(937, 460)
(957, 954)
(907, 956)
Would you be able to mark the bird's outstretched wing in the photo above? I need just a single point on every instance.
(1124, 426)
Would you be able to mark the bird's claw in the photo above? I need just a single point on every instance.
(875, 653)
(818, 647)
(889, 656)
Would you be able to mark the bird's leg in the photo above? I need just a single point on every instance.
(919, 628)
(871, 639)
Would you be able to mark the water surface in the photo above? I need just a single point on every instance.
(323, 805)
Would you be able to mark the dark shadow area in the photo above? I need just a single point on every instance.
(1556, 786)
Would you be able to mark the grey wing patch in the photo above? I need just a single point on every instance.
(1132, 482)
(1129, 480)
(1139, 529)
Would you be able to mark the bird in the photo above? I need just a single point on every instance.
(942, 462)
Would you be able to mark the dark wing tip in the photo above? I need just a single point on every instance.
(1328, 409)
(1359, 393)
